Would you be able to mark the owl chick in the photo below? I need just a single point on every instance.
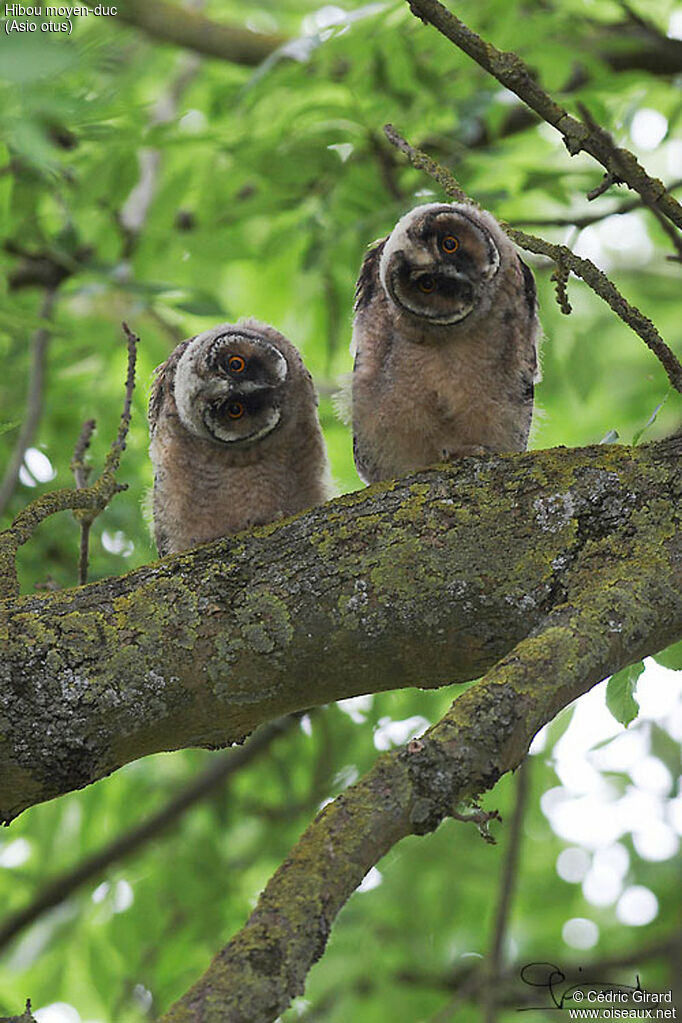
(235, 437)
(445, 337)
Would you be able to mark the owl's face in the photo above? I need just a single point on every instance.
(230, 383)
(438, 263)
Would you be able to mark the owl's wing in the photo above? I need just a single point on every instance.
(530, 291)
(528, 350)
(162, 386)
(367, 290)
(369, 281)
(364, 463)
(530, 355)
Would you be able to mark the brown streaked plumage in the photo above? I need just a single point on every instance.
(445, 337)
(235, 436)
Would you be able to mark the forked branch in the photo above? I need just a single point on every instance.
(410, 790)
(86, 502)
(565, 259)
(584, 135)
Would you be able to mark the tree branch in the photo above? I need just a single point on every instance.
(410, 790)
(424, 581)
(469, 983)
(565, 259)
(510, 71)
(172, 24)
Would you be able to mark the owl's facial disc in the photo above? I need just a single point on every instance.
(241, 419)
(438, 263)
(245, 358)
(430, 292)
(229, 386)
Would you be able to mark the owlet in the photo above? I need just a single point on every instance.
(445, 337)
(235, 436)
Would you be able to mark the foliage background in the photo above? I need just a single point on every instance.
(272, 181)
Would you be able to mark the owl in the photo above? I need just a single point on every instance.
(235, 436)
(445, 336)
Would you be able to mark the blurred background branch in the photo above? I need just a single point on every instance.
(171, 23)
(34, 400)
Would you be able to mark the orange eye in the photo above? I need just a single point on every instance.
(449, 243)
(426, 284)
(236, 364)
(236, 410)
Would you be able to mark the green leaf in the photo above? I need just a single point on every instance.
(651, 420)
(620, 694)
(671, 657)
(6, 427)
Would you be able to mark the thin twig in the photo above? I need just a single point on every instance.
(674, 235)
(81, 473)
(118, 447)
(86, 503)
(469, 983)
(26, 1016)
(565, 259)
(219, 771)
(84, 552)
(495, 964)
(578, 136)
(34, 401)
(420, 161)
(603, 286)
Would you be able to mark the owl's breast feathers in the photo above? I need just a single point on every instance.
(423, 394)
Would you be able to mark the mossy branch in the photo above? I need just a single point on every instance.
(86, 502)
(410, 790)
(428, 580)
(565, 259)
(579, 136)
(543, 571)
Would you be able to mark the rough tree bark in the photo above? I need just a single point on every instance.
(424, 581)
(588, 545)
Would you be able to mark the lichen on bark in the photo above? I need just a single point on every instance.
(424, 581)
